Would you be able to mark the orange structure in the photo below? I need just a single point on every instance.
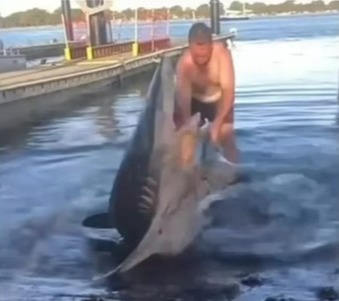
(151, 33)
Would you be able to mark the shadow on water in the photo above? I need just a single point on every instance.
(19, 118)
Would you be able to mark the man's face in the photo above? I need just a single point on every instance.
(201, 52)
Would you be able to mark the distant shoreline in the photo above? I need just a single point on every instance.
(177, 20)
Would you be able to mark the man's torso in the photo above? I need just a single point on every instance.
(206, 81)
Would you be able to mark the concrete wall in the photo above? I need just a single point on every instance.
(12, 63)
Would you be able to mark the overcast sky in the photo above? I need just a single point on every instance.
(8, 7)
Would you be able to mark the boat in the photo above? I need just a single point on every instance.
(11, 59)
(234, 18)
(236, 15)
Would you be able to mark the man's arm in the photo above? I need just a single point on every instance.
(183, 91)
(227, 82)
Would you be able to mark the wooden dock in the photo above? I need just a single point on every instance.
(41, 81)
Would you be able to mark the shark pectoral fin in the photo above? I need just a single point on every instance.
(156, 240)
(97, 221)
(146, 248)
(160, 237)
(106, 275)
(143, 251)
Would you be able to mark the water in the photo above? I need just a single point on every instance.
(263, 29)
(283, 225)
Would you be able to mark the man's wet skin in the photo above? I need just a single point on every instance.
(205, 84)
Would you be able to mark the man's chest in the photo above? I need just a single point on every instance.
(208, 76)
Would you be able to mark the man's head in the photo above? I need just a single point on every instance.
(200, 43)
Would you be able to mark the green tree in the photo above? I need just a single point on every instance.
(78, 15)
(203, 11)
(236, 5)
(129, 13)
(177, 11)
(334, 5)
(188, 13)
(222, 8)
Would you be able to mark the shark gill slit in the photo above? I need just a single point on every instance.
(148, 195)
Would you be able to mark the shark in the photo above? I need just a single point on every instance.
(165, 180)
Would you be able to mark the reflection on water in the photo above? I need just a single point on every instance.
(283, 224)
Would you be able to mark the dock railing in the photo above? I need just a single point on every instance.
(10, 52)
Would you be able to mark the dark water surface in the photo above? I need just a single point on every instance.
(282, 226)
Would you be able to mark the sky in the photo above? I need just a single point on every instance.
(8, 7)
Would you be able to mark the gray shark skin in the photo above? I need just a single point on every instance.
(177, 219)
(133, 198)
(156, 203)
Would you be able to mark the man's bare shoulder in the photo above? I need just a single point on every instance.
(221, 49)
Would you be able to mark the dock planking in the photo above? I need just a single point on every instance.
(43, 73)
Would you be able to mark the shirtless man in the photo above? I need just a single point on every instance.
(205, 84)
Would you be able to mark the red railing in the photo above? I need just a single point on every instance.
(111, 49)
(154, 45)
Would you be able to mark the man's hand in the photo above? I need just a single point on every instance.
(215, 131)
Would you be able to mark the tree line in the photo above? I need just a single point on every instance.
(39, 17)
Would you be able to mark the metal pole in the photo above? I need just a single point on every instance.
(152, 29)
(66, 11)
(168, 23)
(108, 23)
(89, 30)
(215, 16)
(136, 25)
(65, 30)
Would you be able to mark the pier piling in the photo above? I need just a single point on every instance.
(215, 16)
(67, 19)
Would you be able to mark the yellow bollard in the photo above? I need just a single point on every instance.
(89, 53)
(135, 49)
(68, 54)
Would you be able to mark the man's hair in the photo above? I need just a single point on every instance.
(200, 33)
